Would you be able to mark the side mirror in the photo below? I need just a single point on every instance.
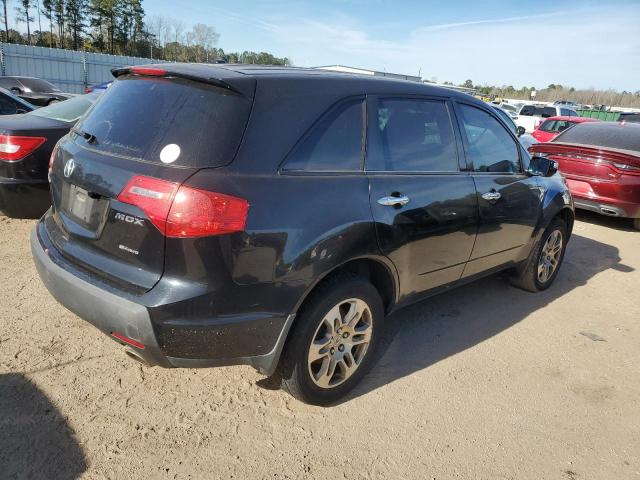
(542, 167)
(520, 131)
(21, 110)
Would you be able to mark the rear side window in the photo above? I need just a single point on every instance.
(555, 126)
(489, 145)
(333, 144)
(171, 121)
(411, 135)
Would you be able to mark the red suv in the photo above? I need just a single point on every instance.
(601, 164)
(554, 126)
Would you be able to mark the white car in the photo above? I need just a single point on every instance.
(531, 115)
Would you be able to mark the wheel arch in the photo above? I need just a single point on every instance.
(380, 272)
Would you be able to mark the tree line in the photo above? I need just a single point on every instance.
(117, 27)
(554, 92)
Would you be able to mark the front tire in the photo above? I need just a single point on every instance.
(541, 268)
(333, 342)
(636, 223)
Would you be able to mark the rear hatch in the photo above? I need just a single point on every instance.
(116, 176)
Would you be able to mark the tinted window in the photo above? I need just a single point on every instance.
(489, 145)
(69, 110)
(555, 126)
(137, 117)
(8, 83)
(532, 110)
(603, 134)
(333, 144)
(412, 136)
(39, 85)
(7, 106)
(568, 112)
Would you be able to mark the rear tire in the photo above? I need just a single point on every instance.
(539, 271)
(333, 341)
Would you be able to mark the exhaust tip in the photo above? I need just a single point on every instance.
(136, 357)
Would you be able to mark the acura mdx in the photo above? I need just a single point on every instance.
(209, 215)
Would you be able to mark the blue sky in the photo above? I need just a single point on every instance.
(533, 43)
(522, 43)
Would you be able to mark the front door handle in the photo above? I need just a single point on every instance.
(392, 201)
(492, 196)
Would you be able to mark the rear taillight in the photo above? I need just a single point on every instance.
(52, 158)
(152, 196)
(14, 148)
(88, 89)
(184, 212)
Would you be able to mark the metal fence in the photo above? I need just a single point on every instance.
(69, 70)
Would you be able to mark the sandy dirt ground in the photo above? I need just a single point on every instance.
(486, 382)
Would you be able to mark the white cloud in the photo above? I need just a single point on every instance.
(585, 48)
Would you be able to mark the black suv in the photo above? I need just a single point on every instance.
(214, 215)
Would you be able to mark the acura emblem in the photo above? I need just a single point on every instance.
(69, 167)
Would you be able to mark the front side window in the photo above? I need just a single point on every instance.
(411, 135)
(489, 145)
(334, 144)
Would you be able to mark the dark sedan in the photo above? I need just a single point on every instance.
(26, 143)
(36, 91)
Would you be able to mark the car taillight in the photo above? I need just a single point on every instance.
(14, 147)
(52, 158)
(88, 89)
(185, 212)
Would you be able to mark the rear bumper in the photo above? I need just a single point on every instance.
(112, 313)
(608, 208)
(24, 198)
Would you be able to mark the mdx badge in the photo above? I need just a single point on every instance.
(129, 219)
(69, 167)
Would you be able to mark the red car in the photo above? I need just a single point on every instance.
(551, 127)
(600, 162)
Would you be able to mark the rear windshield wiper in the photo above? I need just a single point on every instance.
(89, 137)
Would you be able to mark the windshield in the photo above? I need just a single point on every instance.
(69, 110)
(39, 85)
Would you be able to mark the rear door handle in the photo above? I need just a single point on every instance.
(392, 201)
(492, 196)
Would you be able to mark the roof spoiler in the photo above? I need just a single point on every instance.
(160, 71)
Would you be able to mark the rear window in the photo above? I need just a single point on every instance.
(69, 110)
(603, 134)
(536, 111)
(171, 121)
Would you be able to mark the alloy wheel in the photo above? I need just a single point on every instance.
(339, 343)
(550, 256)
